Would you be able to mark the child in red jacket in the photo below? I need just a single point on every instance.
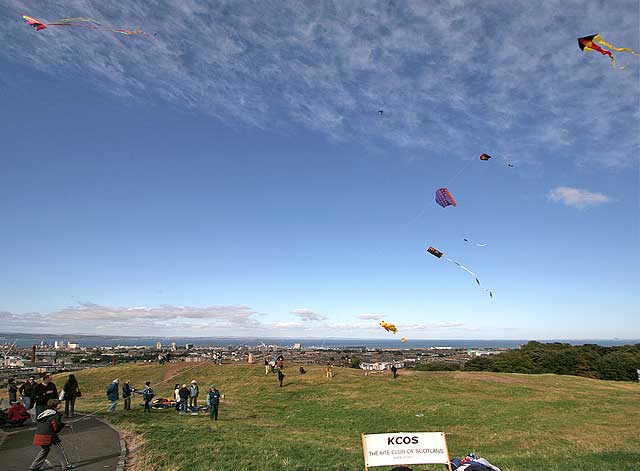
(49, 424)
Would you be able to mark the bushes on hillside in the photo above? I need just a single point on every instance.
(591, 361)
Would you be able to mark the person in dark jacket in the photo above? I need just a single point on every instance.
(280, 377)
(213, 401)
(147, 395)
(45, 391)
(49, 425)
(183, 393)
(12, 387)
(127, 391)
(71, 393)
(112, 394)
(394, 370)
(26, 391)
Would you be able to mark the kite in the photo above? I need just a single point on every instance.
(469, 241)
(486, 157)
(380, 112)
(436, 253)
(590, 43)
(80, 23)
(389, 327)
(444, 198)
(403, 340)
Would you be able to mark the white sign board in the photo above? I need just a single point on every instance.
(389, 449)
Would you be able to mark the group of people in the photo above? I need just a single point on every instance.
(185, 397)
(32, 397)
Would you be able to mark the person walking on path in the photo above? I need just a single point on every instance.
(194, 390)
(112, 394)
(26, 391)
(45, 391)
(147, 395)
(126, 395)
(213, 401)
(71, 393)
(49, 425)
(394, 370)
(183, 392)
(12, 388)
(280, 377)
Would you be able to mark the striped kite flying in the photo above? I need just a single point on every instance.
(80, 23)
(444, 198)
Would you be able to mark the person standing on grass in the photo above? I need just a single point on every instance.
(147, 395)
(394, 370)
(112, 394)
(267, 368)
(213, 401)
(45, 391)
(71, 393)
(194, 390)
(49, 425)
(26, 392)
(280, 377)
(176, 396)
(126, 395)
(183, 392)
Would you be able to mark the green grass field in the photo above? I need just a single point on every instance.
(518, 422)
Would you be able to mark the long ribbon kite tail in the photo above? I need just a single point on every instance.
(597, 38)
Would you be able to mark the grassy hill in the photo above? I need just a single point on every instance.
(518, 422)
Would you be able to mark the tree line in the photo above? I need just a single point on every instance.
(620, 363)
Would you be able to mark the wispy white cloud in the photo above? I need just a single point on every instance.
(370, 316)
(308, 315)
(454, 77)
(577, 197)
(90, 318)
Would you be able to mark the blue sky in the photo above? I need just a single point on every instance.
(232, 175)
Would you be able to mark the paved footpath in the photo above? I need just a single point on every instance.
(89, 443)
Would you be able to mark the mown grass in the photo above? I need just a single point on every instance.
(518, 422)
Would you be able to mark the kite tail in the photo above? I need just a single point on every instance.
(472, 274)
(599, 40)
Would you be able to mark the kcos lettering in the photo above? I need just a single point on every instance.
(400, 440)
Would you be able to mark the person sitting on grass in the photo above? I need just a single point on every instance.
(17, 414)
(49, 425)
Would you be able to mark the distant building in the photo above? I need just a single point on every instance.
(480, 353)
(189, 346)
(173, 346)
(73, 346)
(297, 346)
(58, 344)
(158, 345)
(381, 365)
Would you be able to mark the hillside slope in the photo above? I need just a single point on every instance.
(518, 422)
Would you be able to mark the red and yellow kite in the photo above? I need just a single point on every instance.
(591, 43)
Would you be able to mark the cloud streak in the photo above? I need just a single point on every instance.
(577, 197)
(453, 78)
(308, 315)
